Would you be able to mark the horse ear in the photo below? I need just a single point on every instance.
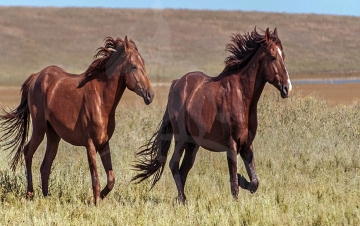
(267, 35)
(126, 44)
(275, 33)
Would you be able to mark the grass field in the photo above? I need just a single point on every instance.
(307, 158)
(306, 150)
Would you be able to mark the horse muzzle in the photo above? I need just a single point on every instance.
(148, 97)
(285, 89)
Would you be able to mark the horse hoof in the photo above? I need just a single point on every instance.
(182, 201)
(179, 201)
(90, 200)
(235, 197)
(30, 195)
(242, 182)
(252, 188)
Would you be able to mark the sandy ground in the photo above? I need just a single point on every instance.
(332, 93)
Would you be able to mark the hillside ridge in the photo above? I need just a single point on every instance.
(172, 42)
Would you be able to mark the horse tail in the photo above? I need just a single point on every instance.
(152, 159)
(15, 125)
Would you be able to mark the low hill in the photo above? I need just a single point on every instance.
(172, 42)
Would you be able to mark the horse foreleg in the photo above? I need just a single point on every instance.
(232, 164)
(248, 157)
(106, 161)
(174, 167)
(91, 154)
(51, 150)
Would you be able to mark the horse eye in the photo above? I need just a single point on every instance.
(273, 58)
(133, 67)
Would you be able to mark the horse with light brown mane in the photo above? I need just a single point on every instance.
(79, 109)
(217, 113)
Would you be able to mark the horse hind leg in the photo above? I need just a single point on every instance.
(174, 167)
(29, 150)
(53, 140)
(191, 150)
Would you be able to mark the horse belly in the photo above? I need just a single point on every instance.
(64, 115)
(68, 132)
(207, 131)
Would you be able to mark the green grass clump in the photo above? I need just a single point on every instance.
(307, 160)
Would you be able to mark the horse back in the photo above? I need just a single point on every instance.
(54, 85)
(183, 89)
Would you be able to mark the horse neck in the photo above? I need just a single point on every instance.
(250, 82)
(110, 89)
(115, 88)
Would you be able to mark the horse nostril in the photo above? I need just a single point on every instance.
(150, 95)
(285, 90)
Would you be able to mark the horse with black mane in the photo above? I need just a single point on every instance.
(79, 109)
(217, 113)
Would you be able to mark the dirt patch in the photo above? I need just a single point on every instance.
(333, 94)
(9, 96)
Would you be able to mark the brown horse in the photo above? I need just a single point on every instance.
(217, 113)
(80, 109)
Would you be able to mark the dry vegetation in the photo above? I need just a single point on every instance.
(307, 153)
(172, 42)
(308, 165)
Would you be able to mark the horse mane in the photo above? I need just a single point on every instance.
(105, 56)
(243, 47)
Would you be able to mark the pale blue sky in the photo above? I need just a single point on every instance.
(334, 7)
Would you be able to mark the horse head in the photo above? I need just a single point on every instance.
(273, 64)
(134, 72)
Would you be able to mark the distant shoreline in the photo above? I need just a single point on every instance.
(325, 81)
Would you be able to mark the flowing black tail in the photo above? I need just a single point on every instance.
(152, 159)
(15, 125)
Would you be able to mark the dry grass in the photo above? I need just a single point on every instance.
(307, 158)
(172, 42)
(307, 153)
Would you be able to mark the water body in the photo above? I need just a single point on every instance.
(325, 81)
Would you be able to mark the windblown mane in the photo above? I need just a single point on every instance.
(243, 47)
(105, 56)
